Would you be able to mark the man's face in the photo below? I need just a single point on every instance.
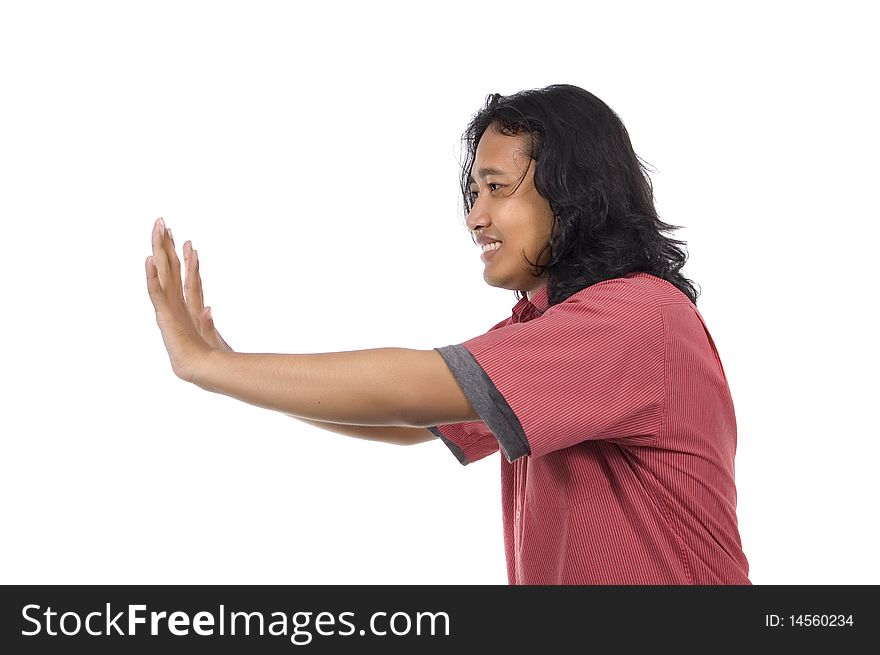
(521, 220)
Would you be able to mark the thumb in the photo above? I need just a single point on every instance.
(209, 331)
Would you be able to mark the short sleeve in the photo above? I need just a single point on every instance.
(472, 440)
(590, 367)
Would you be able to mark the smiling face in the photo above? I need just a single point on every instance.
(520, 219)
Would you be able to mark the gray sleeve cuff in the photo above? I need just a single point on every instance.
(487, 401)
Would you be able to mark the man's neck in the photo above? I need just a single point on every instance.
(531, 294)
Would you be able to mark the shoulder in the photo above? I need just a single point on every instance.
(639, 294)
(642, 286)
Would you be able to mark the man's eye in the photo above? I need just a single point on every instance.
(474, 194)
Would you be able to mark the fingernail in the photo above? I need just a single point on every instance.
(208, 313)
(161, 226)
(195, 256)
(170, 236)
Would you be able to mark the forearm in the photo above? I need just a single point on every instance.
(393, 434)
(363, 387)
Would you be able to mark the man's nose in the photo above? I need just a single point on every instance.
(477, 216)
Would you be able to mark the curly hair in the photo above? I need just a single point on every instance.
(604, 221)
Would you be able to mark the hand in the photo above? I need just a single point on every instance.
(177, 316)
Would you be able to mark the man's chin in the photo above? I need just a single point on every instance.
(501, 283)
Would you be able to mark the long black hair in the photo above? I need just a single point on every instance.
(604, 221)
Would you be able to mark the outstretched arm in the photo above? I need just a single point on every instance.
(380, 386)
(204, 321)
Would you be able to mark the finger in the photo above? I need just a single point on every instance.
(192, 288)
(154, 287)
(206, 328)
(209, 331)
(173, 264)
(198, 269)
(160, 258)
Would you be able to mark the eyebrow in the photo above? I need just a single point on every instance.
(487, 171)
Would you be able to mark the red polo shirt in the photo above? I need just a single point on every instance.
(618, 431)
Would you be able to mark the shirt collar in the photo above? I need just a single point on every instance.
(525, 309)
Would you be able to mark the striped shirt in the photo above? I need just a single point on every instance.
(618, 431)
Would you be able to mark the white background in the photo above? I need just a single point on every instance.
(312, 157)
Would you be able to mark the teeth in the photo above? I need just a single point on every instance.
(492, 246)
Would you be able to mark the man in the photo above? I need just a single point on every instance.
(603, 389)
